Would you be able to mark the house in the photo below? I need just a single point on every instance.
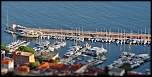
(23, 57)
(88, 71)
(48, 55)
(116, 72)
(22, 70)
(7, 63)
(48, 68)
(77, 68)
(51, 69)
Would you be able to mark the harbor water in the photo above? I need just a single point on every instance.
(91, 16)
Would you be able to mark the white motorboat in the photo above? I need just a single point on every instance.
(51, 48)
(62, 44)
(97, 50)
(29, 33)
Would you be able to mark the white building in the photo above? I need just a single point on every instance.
(2, 54)
(116, 72)
(7, 63)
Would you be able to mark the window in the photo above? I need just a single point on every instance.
(2, 65)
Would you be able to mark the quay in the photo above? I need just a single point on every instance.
(89, 34)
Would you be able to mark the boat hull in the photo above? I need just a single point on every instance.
(30, 36)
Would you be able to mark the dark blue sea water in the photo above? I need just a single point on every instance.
(91, 15)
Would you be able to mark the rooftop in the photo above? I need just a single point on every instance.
(47, 55)
(23, 53)
(75, 67)
(116, 70)
(22, 68)
(2, 51)
(7, 61)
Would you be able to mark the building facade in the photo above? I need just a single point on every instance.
(23, 57)
(7, 64)
(2, 54)
(116, 72)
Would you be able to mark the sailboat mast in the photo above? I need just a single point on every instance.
(121, 37)
(124, 35)
(7, 19)
(82, 31)
(76, 37)
(61, 35)
(79, 34)
(118, 34)
(138, 34)
(124, 39)
(145, 33)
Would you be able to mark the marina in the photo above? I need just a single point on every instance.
(91, 56)
(77, 32)
(119, 38)
(127, 57)
(14, 45)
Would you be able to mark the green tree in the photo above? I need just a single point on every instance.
(6, 49)
(37, 63)
(26, 49)
(53, 61)
(41, 58)
(126, 66)
(106, 70)
(58, 58)
(33, 65)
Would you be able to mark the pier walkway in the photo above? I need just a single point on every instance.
(89, 34)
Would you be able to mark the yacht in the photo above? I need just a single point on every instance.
(145, 42)
(51, 48)
(96, 51)
(62, 44)
(9, 31)
(29, 33)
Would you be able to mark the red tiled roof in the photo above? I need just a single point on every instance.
(64, 67)
(95, 69)
(135, 74)
(48, 64)
(55, 65)
(3, 61)
(58, 67)
(75, 67)
(44, 65)
(22, 68)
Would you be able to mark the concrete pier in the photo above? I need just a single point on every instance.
(88, 34)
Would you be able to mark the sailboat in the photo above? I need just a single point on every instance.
(121, 39)
(8, 29)
(124, 40)
(138, 40)
(110, 39)
(81, 38)
(145, 41)
(117, 42)
(62, 43)
(149, 42)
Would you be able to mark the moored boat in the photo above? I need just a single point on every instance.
(29, 33)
